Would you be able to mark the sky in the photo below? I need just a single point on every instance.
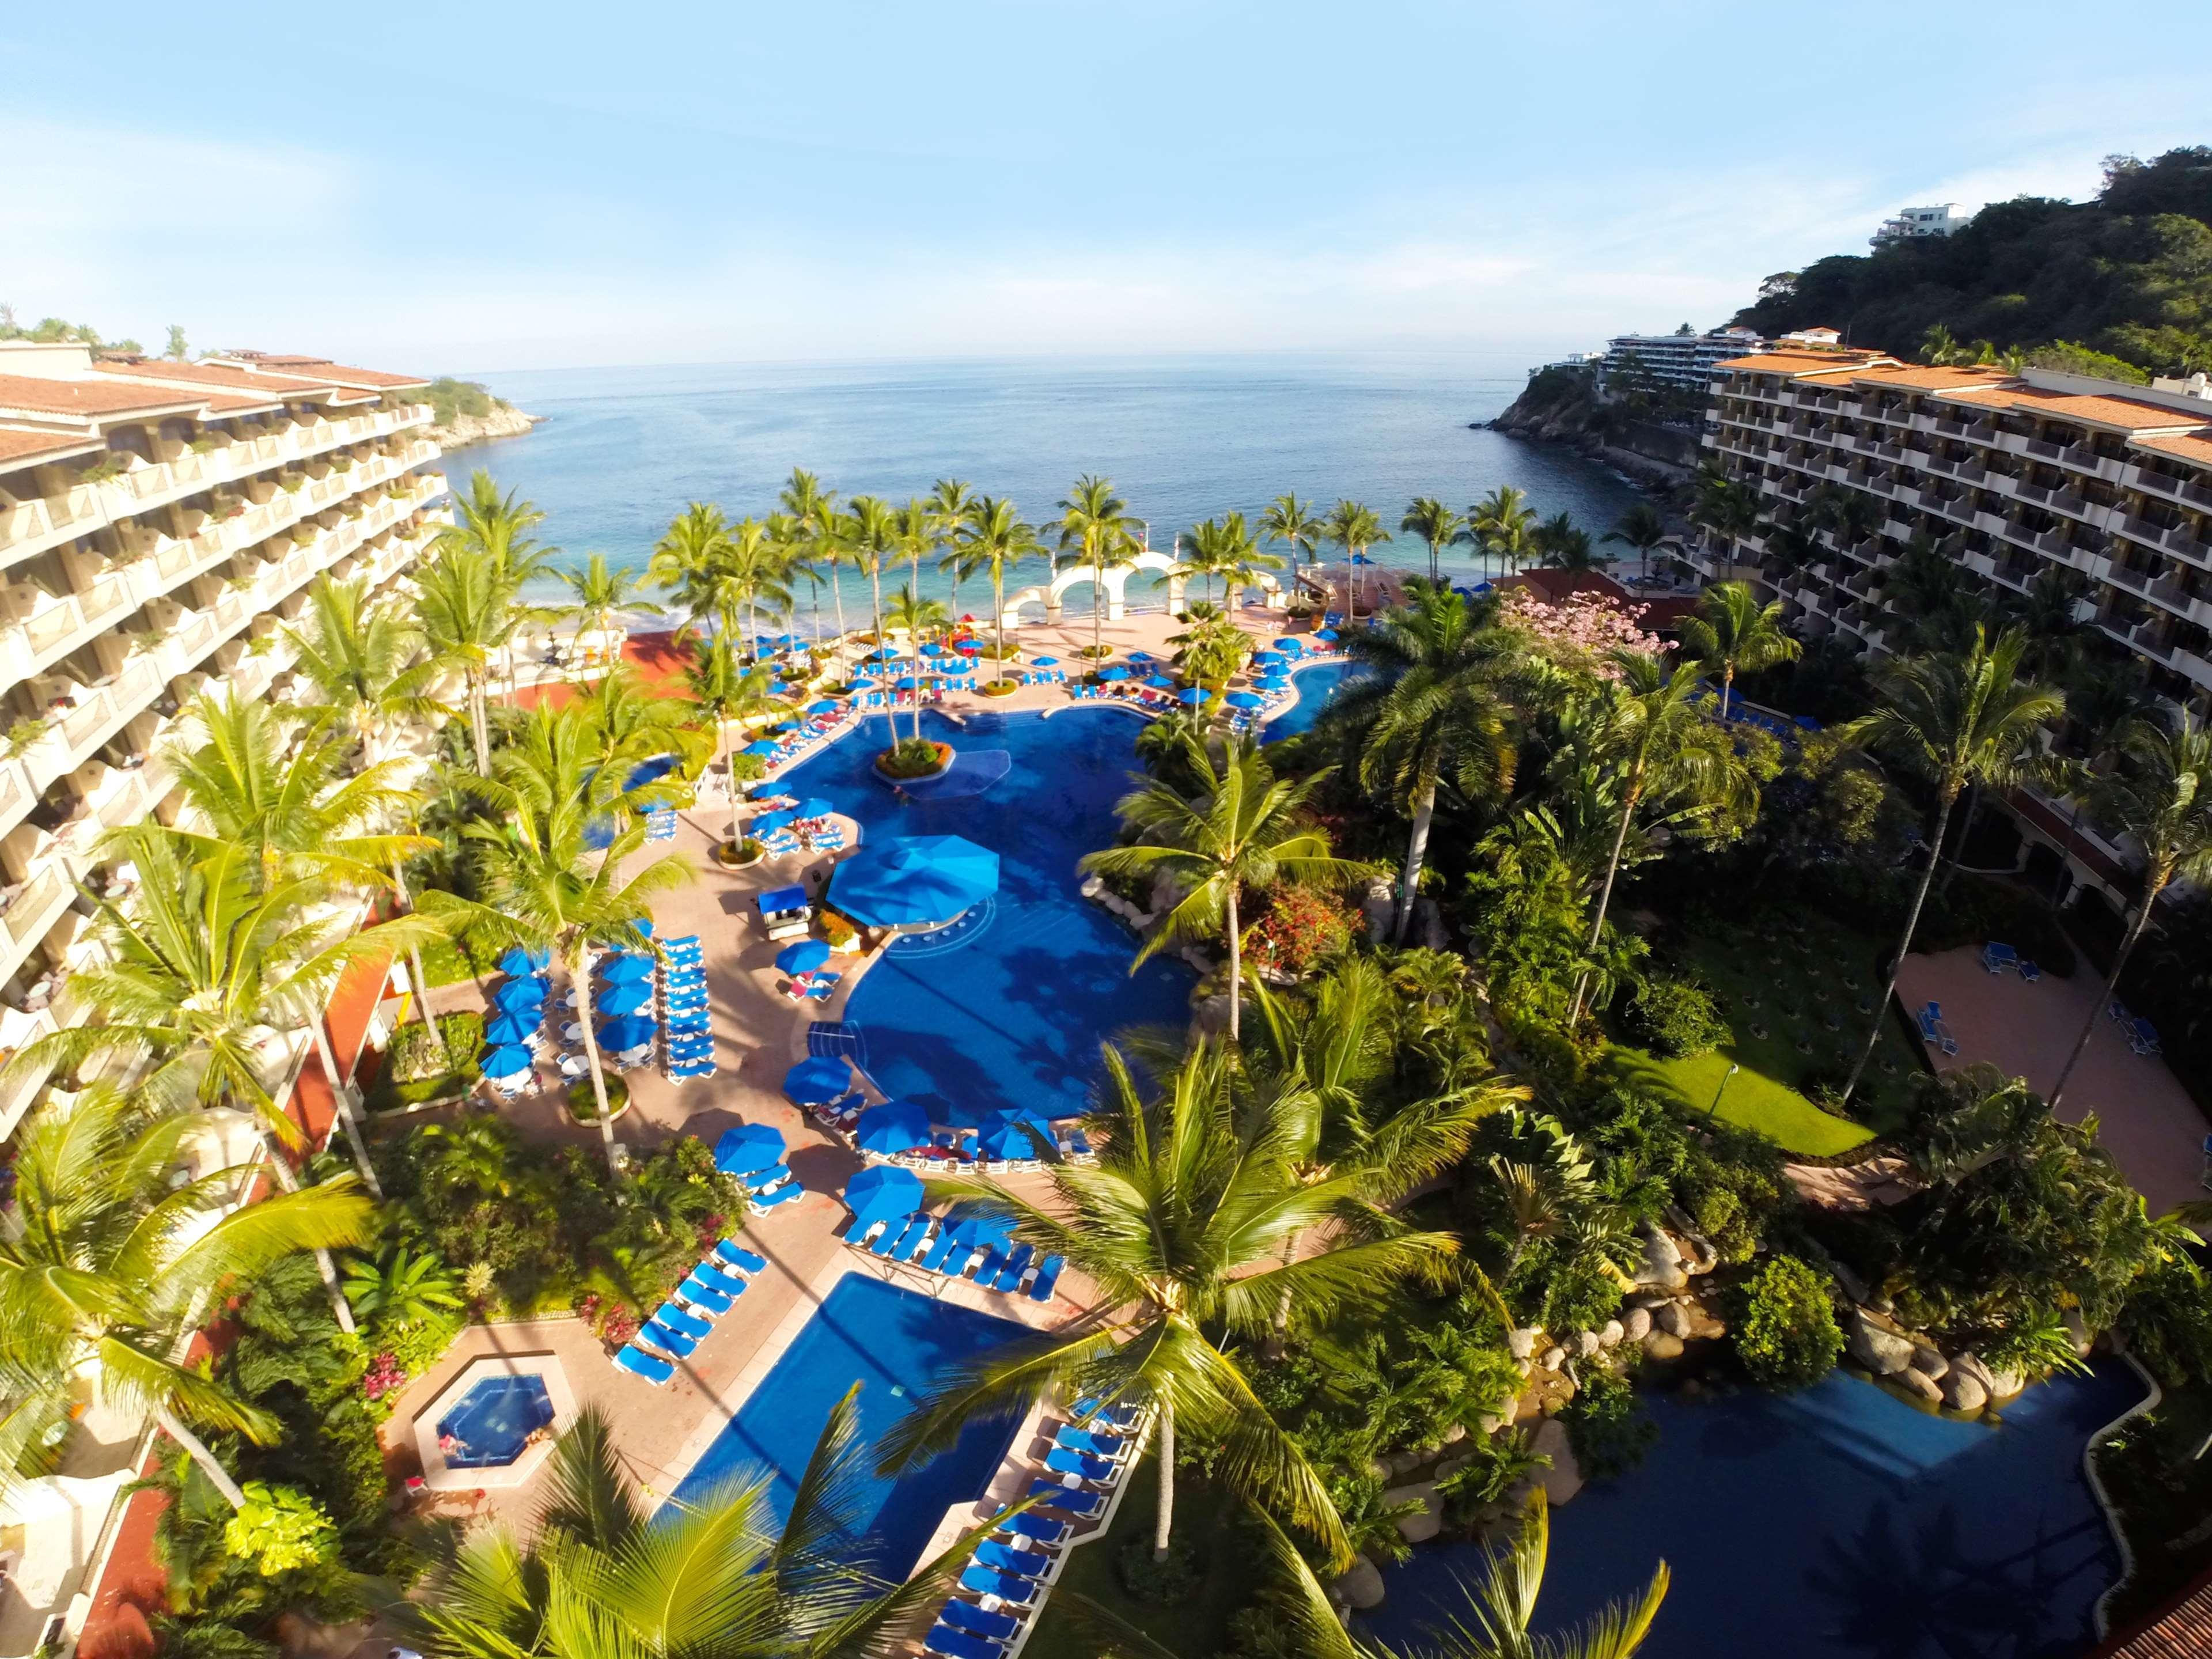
(478, 187)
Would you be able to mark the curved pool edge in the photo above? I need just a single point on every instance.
(2105, 1507)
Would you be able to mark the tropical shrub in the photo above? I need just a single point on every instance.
(1302, 928)
(1785, 1327)
(1675, 1016)
(1174, 1579)
(414, 1057)
(1975, 910)
(2168, 1322)
(278, 1529)
(836, 931)
(1607, 1425)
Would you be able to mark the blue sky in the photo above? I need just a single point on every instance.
(481, 186)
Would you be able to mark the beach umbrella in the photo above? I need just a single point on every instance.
(785, 725)
(643, 923)
(1191, 695)
(763, 748)
(905, 683)
(970, 1226)
(936, 649)
(627, 969)
(629, 1031)
(1160, 683)
(822, 706)
(817, 1079)
(814, 807)
(1142, 656)
(894, 1127)
(779, 688)
(509, 1059)
(519, 996)
(503, 1029)
(802, 956)
(1325, 634)
(1291, 643)
(1269, 660)
(770, 822)
(1246, 700)
(863, 685)
(516, 959)
(623, 998)
(969, 648)
(748, 1147)
(1010, 1134)
(903, 880)
(1044, 662)
(1114, 672)
(882, 1191)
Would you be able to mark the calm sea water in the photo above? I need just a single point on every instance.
(622, 451)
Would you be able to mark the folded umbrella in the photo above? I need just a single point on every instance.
(819, 1079)
(802, 957)
(749, 1148)
(623, 998)
(507, 1061)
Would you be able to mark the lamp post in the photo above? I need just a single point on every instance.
(1732, 1070)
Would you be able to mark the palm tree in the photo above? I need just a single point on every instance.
(108, 1262)
(1435, 524)
(494, 529)
(952, 500)
(916, 528)
(1505, 525)
(1653, 746)
(2159, 796)
(1502, 1607)
(1733, 632)
(1354, 528)
(1564, 546)
(692, 563)
(1242, 829)
(1726, 508)
(2102, 706)
(814, 511)
(467, 611)
(2049, 613)
(1435, 708)
(605, 1568)
(1244, 564)
(870, 536)
(602, 594)
(1200, 551)
(544, 886)
(919, 618)
(996, 538)
(366, 664)
(727, 690)
(1094, 524)
(627, 722)
(1182, 1225)
(1287, 518)
(1643, 528)
(1956, 720)
(758, 567)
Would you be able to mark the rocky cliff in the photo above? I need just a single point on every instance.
(501, 420)
(1559, 405)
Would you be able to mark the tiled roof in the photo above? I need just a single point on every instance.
(1800, 362)
(375, 380)
(2120, 412)
(18, 444)
(30, 395)
(216, 374)
(2183, 446)
(2184, 1630)
(1929, 379)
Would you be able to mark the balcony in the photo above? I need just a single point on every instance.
(2125, 576)
(2183, 540)
(30, 910)
(2143, 530)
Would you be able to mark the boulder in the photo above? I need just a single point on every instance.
(1918, 1383)
(1962, 1393)
(1882, 1352)
(1971, 1364)
(1586, 1344)
(1610, 1337)
(1636, 1324)
(1930, 1362)
(1421, 1527)
(1704, 1326)
(1662, 1262)
(1403, 1462)
(1452, 1466)
(1553, 1358)
(1091, 887)
(1363, 1586)
(1565, 1477)
(1651, 1301)
(1453, 1435)
(2005, 1384)
(2077, 1329)
(1522, 1343)
(1380, 1468)
(1673, 1319)
(1429, 925)
(1662, 1345)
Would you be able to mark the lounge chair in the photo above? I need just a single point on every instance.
(951, 1644)
(915, 1245)
(1043, 1528)
(2119, 1013)
(650, 1366)
(981, 1581)
(761, 1183)
(954, 1259)
(862, 1233)
(1091, 1443)
(1999, 958)
(1004, 1557)
(711, 1274)
(2028, 971)
(986, 1271)
(696, 1292)
(1071, 1500)
(932, 1260)
(2144, 1038)
(1011, 1274)
(1061, 1461)
(677, 1317)
(896, 1239)
(1121, 1415)
(738, 1256)
(1047, 1276)
(979, 1621)
(787, 1194)
(674, 1344)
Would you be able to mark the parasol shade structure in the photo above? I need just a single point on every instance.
(1021, 1133)
(629, 1032)
(627, 969)
(1044, 662)
(1114, 672)
(802, 956)
(1246, 700)
(508, 1060)
(913, 881)
(894, 1127)
(504, 1029)
(816, 1080)
(768, 823)
(748, 1148)
(883, 1191)
(519, 996)
(814, 807)
(623, 998)
(1191, 695)
(519, 959)
(971, 1226)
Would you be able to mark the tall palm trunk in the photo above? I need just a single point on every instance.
(2065, 855)
(342, 1101)
(1416, 848)
(1965, 834)
(582, 975)
(998, 603)
(1163, 1516)
(2152, 888)
(327, 1269)
(1236, 965)
(415, 967)
(730, 770)
(1097, 608)
(479, 727)
(196, 1449)
(1351, 591)
(1629, 798)
(1947, 799)
(838, 598)
(1728, 684)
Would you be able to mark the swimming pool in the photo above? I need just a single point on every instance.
(1316, 685)
(491, 1424)
(896, 1344)
(1008, 1008)
(1836, 1523)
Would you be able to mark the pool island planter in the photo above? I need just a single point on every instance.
(738, 856)
(899, 775)
(546, 1367)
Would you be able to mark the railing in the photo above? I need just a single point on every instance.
(2126, 576)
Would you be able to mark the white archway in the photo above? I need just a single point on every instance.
(1115, 582)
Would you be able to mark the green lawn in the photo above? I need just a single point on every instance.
(1752, 1100)
(1196, 1628)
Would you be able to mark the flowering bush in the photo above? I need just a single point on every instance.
(617, 1325)
(385, 1373)
(1303, 927)
(1579, 631)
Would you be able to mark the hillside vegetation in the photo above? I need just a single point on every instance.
(2127, 277)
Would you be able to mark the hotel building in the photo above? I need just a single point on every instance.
(1681, 362)
(1907, 224)
(161, 522)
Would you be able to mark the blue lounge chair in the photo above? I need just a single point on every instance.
(2145, 1038)
(1011, 1274)
(742, 1259)
(950, 1643)
(1047, 1276)
(981, 1581)
(1071, 1500)
(677, 1317)
(994, 1259)
(955, 1259)
(1041, 1528)
(1004, 1557)
(698, 1293)
(887, 1242)
(760, 1180)
(727, 1284)
(1061, 1461)
(781, 1195)
(857, 1233)
(977, 1621)
(1090, 1441)
(674, 1344)
(933, 1259)
(2028, 971)
(1999, 958)
(650, 1366)
(1122, 1415)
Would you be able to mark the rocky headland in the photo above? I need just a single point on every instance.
(501, 421)
(1560, 405)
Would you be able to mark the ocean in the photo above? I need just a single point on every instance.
(622, 451)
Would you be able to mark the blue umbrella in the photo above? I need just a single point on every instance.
(623, 998)
(822, 706)
(507, 1061)
(1268, 658)
(937, 649)
(1273, 683)
(1114, 672)
(1191, 695)
(970, 1226)
(770, 822)
(519, 996)
(517, 960)
(1246, 700)
(763, 748)
(631, 1031)
(1142, 656)
(905, 683)
(896, 1125)
(785, 725)
(903, 880)
(802, 957)
(503, 1029)
(882, 1191)
(864, 683)
(748, 1147)
(817, 1079)
(1291, 643)
(1325, 634)
(643, 923)
(814, 807)
(629, 968)
(1008, 1134)
(1044, 662)
(1160, 683)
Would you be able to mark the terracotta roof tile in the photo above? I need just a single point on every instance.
(375, 380)
(18, 444)
(2075, 406)
(1801, 363)
(216, 374)
(2184, 445)
(1924, 379)
(87, 397)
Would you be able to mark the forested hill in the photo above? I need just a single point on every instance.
(2129, 275)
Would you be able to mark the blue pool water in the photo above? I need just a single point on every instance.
(1837, 1523)
(1010, 1007)
(490, 1423)
(1315, 686)
(896, 1344)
